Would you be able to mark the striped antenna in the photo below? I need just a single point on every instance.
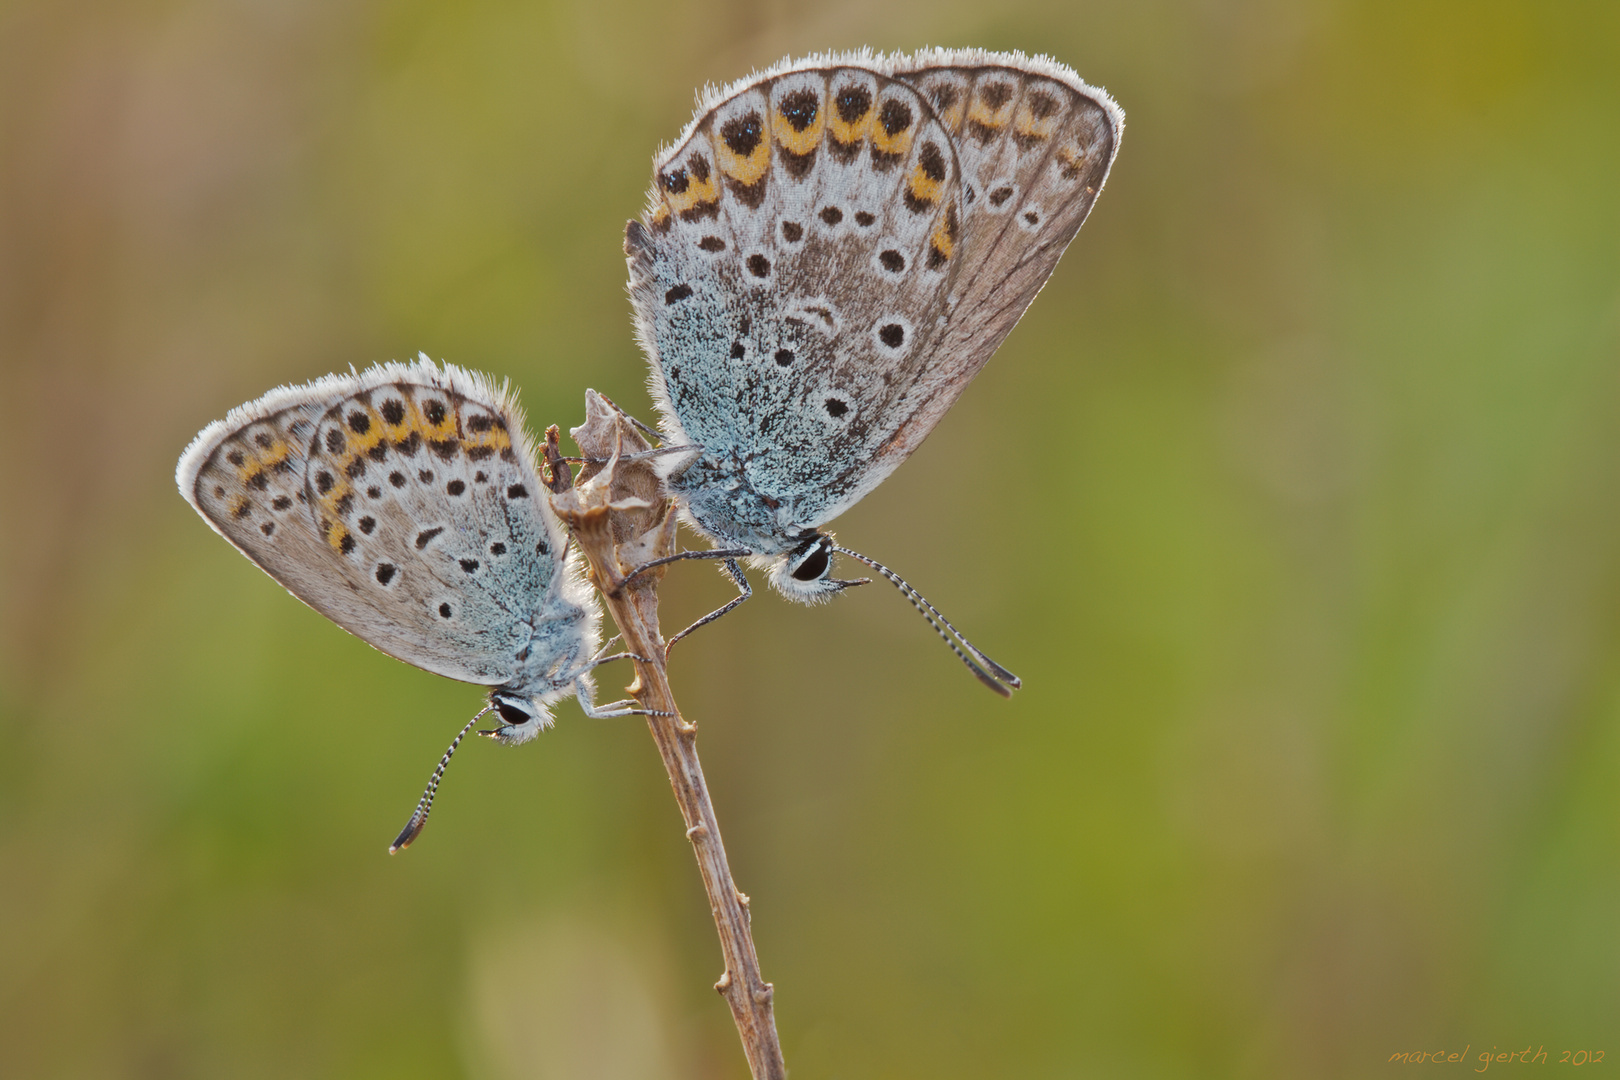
(413, 828)
(997, 678)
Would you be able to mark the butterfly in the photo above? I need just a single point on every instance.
(830, 252)
(403, 503)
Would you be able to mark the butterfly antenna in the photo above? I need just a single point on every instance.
(657, 451)
(998, 678)
(413, 828)
(651, 435)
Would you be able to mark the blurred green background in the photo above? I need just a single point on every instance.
(1293, 500)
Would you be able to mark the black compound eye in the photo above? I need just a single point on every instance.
(512, 714)
(815, 564)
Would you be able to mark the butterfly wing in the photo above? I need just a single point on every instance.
(403, 504)
(813, 282)
(787, 282)
(1035, 144)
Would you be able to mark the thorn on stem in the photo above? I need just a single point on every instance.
(725, 982)
(697, 830)
(764, 995)
(742, 898)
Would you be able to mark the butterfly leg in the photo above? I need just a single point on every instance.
(744, 591)
(586, 693)
(600, 658)
(728, 554)
(587, 704)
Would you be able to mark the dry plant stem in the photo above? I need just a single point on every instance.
(620, 522)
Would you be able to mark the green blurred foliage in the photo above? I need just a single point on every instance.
(1293, 500)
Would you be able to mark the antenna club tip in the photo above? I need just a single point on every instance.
(407, 835)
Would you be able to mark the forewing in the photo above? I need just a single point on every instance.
(402, 504)
(790, 277)
(1035, 144)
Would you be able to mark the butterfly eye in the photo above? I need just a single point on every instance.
(511, 714)
(815, 560)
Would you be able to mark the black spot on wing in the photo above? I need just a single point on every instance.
(750, 195)
(932, 162)
(895, 116)
(995, 94)
(742, 134)
(797, 165)
(852, 103)
(799, 108)
(883, 161)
